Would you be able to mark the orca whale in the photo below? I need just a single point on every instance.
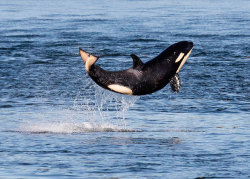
(142, 78)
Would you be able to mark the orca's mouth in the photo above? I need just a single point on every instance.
(190, 45)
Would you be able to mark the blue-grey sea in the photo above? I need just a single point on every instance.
(55, 122)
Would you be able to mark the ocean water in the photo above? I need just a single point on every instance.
(55, 122)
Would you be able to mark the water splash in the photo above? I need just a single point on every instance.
(101, 111)
(104, 107)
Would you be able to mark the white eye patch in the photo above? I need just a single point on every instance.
(179, 57)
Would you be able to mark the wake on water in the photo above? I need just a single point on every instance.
(103, 111)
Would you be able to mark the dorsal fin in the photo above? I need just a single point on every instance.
(136, 61)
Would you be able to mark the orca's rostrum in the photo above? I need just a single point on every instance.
(142, 78)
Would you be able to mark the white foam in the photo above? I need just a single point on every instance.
(69, 128)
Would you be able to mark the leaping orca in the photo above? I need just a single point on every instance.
(142, 78)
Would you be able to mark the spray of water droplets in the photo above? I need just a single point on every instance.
(94, 110)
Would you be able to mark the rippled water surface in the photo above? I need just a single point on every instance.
(57, 123)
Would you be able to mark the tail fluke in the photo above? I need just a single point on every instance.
(88, 59)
